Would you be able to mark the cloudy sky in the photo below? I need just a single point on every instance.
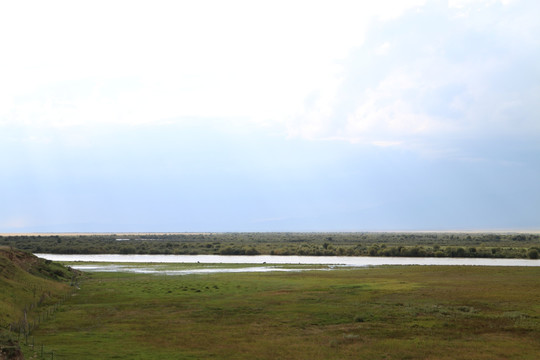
(269, 115)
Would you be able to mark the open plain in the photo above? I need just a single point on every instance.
(392, 312)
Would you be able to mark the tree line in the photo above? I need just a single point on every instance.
(483, 245)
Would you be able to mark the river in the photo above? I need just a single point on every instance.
(275, 259)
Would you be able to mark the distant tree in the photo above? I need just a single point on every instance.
(127, 250)
(460, 252)
(252, 251)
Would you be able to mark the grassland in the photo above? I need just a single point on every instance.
(27, 282)
(402, 312)
(29, 288)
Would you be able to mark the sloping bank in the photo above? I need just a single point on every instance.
(29, 286)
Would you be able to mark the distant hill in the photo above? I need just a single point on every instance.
(27, 285)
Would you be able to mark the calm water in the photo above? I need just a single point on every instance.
(155, 268)
(274, 259)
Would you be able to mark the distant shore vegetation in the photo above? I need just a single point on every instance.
(475, 245)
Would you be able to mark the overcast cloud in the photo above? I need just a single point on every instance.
(250, 116)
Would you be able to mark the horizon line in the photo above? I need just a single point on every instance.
(89, 233)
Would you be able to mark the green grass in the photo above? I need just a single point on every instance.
(372, 313)
(30, 289)
(27, 282)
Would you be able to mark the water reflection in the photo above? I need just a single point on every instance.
(161, 271)
(274, 259)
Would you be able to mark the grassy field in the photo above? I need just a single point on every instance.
(402, 312)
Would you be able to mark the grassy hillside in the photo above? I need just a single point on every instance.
(27, 285)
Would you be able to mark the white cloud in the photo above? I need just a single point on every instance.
(198, 59)
(447, 79)
(461, 4)
(383, 49)
(378, 73)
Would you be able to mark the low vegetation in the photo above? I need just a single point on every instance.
(401, 312)
(29, 286)
(478, 245)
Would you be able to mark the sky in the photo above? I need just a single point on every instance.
(218, 116)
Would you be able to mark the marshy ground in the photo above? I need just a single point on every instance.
(395, 312)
